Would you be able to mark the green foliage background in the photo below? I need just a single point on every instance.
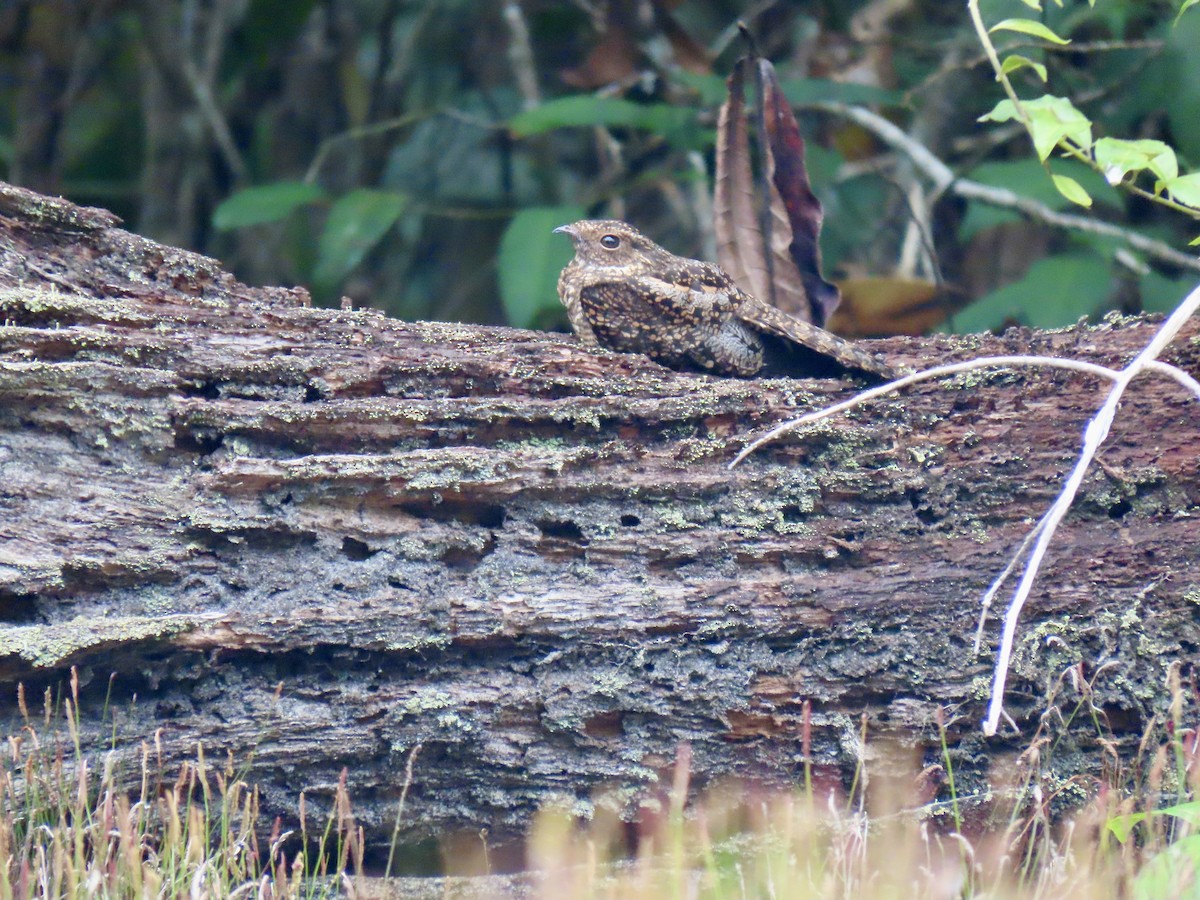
(411, 156)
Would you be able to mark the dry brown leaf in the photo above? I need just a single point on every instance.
(795, 211)
(787, 284)
(612, 61)
(619, 55)
(881, 307)
(739, 238)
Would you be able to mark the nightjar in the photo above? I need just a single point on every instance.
(624, 292)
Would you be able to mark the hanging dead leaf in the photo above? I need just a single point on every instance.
(794, 206)
(740, 246)
(773, 253)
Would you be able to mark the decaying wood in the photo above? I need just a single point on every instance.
(317, 538)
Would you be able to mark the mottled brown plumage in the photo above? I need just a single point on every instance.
(624, 292)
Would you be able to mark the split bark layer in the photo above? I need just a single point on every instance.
(314, 539)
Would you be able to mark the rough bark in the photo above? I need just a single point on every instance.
(318, 538)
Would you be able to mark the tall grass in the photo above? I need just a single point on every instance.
(740, 843)
(68, 830)
(1136, 836)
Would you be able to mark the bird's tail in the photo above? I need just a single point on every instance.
(803, 348)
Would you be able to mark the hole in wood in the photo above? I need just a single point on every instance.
(208, 389)
(357, 550)
(464, 512)
(793, 513)
(466, 557)
(1120, 509)
(198, 440)
(561, 540)
(567, 531)
(17, 608)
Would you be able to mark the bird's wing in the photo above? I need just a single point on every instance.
(692, 274)
(690, 288)
(694, 300)
(770, 320)
(709, 286)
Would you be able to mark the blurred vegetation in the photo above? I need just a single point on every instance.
(70, 828)
(414, 155)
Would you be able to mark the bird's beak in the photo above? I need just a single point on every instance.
(566, 229)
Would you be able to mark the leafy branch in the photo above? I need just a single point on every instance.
(945, 179)
(1055, 123)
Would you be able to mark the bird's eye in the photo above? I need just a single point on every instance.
(610, 242)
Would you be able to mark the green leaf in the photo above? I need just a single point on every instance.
(677, 124)
(1072, 190)
(1189, 812)
(1119, 157)
(530, 258)
(1051, 119)
(1054, 119)
(1184, 189)
(799, 91)
(1187, 4)
(1001, 112)
(265, 203)
(1161, 294)
(1016, 61)
(356, 223)
(1027, 177)
(1122, 826)
(1170, 873)
(803, 91)
(1028, 26)
(1055, 292)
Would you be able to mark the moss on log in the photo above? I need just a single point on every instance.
(315, 539)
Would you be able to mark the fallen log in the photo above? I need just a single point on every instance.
(315, 539)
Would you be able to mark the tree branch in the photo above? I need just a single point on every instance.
(944, 179)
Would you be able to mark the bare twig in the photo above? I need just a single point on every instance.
(734, 30)
(357, 134)
(207, 104)
(1177, 373)
(520, 55)
(983, 362)
(1043, 532)
(944, 179)
(985, 605)
(892, 387)
(1094, 435)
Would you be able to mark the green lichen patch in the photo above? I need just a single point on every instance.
(41, 307)
(419, 642)
(52, 646)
